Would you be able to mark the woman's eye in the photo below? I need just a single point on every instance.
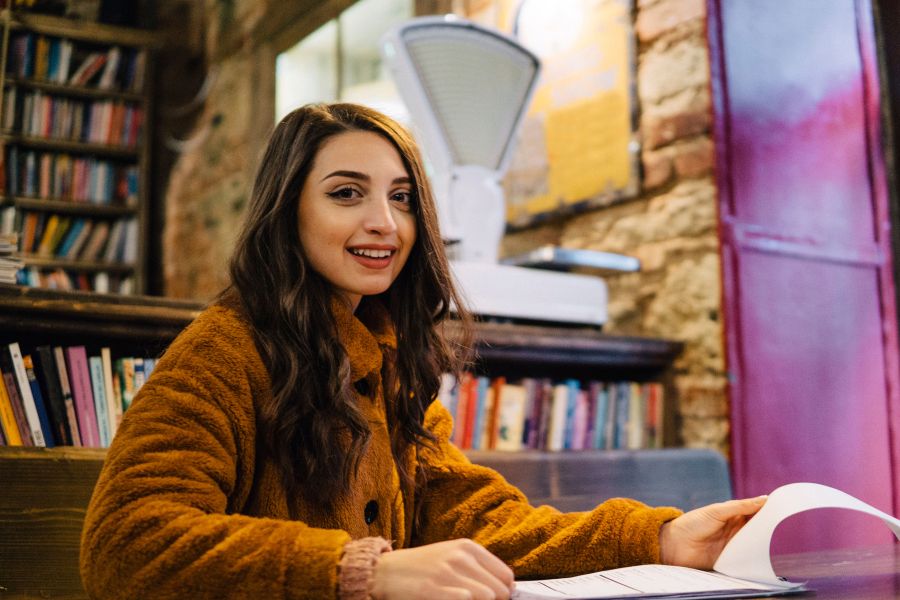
(347, 193)
(402, 197)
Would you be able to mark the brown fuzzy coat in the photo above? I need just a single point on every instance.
(186, 506)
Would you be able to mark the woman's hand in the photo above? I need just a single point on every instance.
(452, 569)
(696, 538)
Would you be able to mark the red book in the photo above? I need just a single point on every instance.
(462, 406)
(471, 385)
(12, 391)
(497, 384)
(80, 382)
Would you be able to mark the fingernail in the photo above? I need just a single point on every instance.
(762, 498)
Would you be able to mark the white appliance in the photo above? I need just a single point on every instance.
(467, 89)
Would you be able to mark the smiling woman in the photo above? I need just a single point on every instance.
(292, 429)
(357, 224)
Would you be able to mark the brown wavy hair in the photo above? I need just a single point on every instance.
(288, 306)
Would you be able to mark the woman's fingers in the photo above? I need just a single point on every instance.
(736, 508)
(453, 569)
(493, 565)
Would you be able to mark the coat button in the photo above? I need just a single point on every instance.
(361, 386)
(371, 512)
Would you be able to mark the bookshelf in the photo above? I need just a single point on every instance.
(144, 326)
(75, 117)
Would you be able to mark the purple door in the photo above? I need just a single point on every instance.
(811, 328)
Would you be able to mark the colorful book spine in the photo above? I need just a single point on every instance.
(114, 408)
(47, 374)
(39, 403)
(600, 413)
(12, 391)
(31, 412)
(556, 435)
(572, 387)
(98, 388)
(80, 381)
(68, 400)
(510, 417)
(8, 418)
(481, 387)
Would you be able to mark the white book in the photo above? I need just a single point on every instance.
(31, 413)
(130, 250)
(114, 409)
(110, 253)
(98, 387)
(108, 78)
(65, 61)
(556, 434)
(510, 417)
(101, 282)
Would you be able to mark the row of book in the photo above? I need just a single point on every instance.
(80, 238)
(60, 396)
(64, 62)
(495, 414)
(101, 282)
(9, 265)
(109, 122)
(62, 176)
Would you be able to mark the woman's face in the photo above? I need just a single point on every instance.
(356, 214)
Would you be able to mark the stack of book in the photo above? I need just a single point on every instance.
(61, 61)
(9, 265)
(541, 414)
(61, 396)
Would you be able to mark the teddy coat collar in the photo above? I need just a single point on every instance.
(364, 334)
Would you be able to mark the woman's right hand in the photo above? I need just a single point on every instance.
(453, 569)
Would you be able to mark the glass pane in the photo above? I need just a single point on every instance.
(364, 78)
(307, 72)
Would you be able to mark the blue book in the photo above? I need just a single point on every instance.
(43, 416)
(480, 417)
(573, 387)
(623, 400)
(70, 238)
(599, 441)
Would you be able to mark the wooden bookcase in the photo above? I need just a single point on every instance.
(45, 491)
(112, 161)
(144, 326)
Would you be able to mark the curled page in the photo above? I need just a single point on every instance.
(747, 554)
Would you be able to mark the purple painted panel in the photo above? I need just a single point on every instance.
(810, 320)
(797, 117)
(814, 386)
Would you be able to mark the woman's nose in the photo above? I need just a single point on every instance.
(379, 217)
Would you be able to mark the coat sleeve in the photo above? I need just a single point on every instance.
(162, 521)
(461, 499)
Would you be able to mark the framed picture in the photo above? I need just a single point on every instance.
(578, 147)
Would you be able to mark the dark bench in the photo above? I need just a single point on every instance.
(44, 495)
(570, 481)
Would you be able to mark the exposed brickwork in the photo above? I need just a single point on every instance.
(671, 226)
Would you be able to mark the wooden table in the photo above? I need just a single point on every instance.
(854, 574)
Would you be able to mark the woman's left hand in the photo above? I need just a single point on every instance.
(696, 538)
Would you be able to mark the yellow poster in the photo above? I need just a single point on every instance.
(577, 145)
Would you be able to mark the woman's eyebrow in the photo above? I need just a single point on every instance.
(351, 174)
(363, 177)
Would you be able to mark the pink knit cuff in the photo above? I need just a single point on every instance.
(358, 565)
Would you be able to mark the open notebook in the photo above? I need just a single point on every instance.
(744, 569)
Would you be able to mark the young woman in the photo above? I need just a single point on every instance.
(288, 444)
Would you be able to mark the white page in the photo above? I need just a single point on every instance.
(747, 554)
(633, 581)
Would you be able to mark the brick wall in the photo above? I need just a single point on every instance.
(671, 225)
